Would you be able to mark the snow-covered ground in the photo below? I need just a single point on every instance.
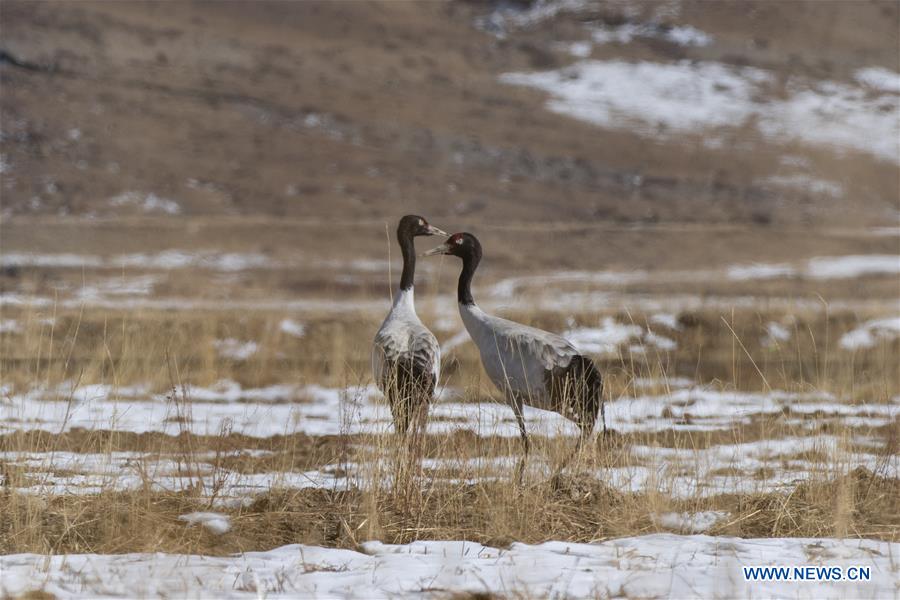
(771, 465)
(652, 566)
(764, 465)
(317, 410)
(665, 99)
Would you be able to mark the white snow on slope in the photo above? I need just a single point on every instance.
(683, 35)
(650, 566)
(658, 99)
(797, 181)
(512, 15)
(646, 96)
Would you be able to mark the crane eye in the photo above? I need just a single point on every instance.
(459, 240)
(421, 222)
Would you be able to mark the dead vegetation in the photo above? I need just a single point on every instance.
(858, 504)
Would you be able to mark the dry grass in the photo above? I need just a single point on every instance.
(395, 501)
(858, 504)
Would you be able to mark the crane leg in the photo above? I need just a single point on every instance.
(603, 415)
(526, 445)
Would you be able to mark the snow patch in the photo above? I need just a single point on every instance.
(605, 339)
(611, 335)
(509, 286)
(235, 349)
(775, 333)
(149, 203)
(508, 16)
(9, 326)
(878, 78)
(661, 342)
(871, 333)
(682, 35)
(844, 267)
(818, 187)
(579, 49)
(685, 522)
(663, 382)
(666, 99)
(648, 97)
(117, 286)
(167, 260)
(667, 320)
(292, 327)
(216, 523)
(635, 567)
(27, 259)
(180, 259)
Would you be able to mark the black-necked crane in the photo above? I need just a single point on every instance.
(528, 365)
(406, 357)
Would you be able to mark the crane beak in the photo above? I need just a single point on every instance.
(442, 249)
(432, 230)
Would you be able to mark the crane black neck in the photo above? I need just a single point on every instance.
(408, 250)
(464, 287)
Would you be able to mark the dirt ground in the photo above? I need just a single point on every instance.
(363, 111)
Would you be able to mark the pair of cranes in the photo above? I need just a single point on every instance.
(528, 365)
